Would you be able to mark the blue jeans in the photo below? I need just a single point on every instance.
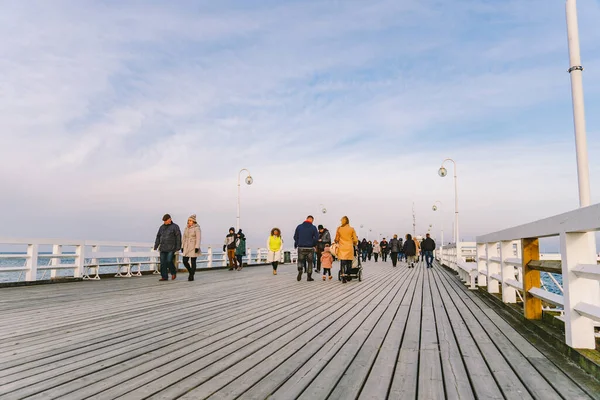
(429, 258)
(166, 264)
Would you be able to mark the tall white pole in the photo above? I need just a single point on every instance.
(237, 220)
(576, 71)
(456, 205)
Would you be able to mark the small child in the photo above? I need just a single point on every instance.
(326, 262)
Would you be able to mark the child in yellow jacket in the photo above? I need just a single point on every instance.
(326, 262)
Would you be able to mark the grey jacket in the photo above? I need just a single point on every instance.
(168, 238)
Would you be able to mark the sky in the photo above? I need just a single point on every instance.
(116, 112)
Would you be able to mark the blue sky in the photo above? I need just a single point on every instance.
(115, 112)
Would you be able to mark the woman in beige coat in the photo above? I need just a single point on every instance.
(192, 237)
(346, 239)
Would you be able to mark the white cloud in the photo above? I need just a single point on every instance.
(116, 114)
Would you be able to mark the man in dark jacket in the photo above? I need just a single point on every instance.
(427, 247)
(410, 251)
(306, 238)
(324, 240)
(395, 246)
(168, 241)
(384, 249)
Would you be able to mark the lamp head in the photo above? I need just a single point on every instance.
(434, 208)
(249, 180)
(442, 172)
(324, 210)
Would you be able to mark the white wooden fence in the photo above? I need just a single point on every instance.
(40, 259)
(509, 263)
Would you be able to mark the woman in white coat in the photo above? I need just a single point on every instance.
(192, 237)
(275, 247)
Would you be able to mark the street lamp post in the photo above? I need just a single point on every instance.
(435, 208)
(323, 209)
(576, 72)
(443, 173)
(249, 180)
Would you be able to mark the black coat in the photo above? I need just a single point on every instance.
(428, 245)
(410, 248)
(168, 238)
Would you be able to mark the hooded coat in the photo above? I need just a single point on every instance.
(346, 238)
(192, 237)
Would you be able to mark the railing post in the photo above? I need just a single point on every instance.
(493, 286)
(532, 306)
(481, 265)
(209, 255)
(56, 251)
(79, 260)
(32, 262)
(578, 248)
(509, 294)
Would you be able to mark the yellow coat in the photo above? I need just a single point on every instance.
(346, 238)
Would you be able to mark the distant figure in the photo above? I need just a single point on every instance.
(192, 237)
(240, 249)
(384, 250)
(376, 249)
(428, 247)
(346, 239)
(410, 250)
(324, 240)
(229, 247)
(395, 249)
(168, 241)
(401, 255)
(306, 238)
(326, 262)
(418, 245)
(369, 250)
(364, 249)
(275, 246)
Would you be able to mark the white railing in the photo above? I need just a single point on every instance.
(509, 263)
(447, 255)
(41, 259)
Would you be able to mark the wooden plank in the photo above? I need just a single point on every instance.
(530, 378)
(456, 380)
(552, 266)
(532, 306)
(406, 375)
(431, 382)
(481, 377)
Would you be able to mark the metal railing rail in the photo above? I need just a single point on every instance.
(86, 258)
(509, 263)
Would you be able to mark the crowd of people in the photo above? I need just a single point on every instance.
(316, 249)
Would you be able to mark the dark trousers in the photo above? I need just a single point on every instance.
(429, 258)
(240, 261)
(166, 264)
(376, 255)
(191, 268)
(384, 256)
(370, 255)
(346, 266)
(306, 260)
(275, 264)
(394, 258)
(319, 253)
(326, 271)
(364, 255)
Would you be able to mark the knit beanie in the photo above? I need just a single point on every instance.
(193, 217)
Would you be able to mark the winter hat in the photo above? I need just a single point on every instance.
(166, 217)
(232, 229)
(320, 227)
(192, 217)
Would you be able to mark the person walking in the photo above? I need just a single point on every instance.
(384, 250)
(369, 250)
(229, 247)
(346, 239)
(275, 247)
(326, 262)
(324, 241)
(376, 250)
(394, 250)
(168, 241)
(240, 249)
(306, 238)
(428, 248)
(364, 249)
(410, 250)
(192, 237)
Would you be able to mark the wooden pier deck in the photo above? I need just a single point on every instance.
(398, 334)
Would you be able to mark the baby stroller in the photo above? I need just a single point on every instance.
(355, 271)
